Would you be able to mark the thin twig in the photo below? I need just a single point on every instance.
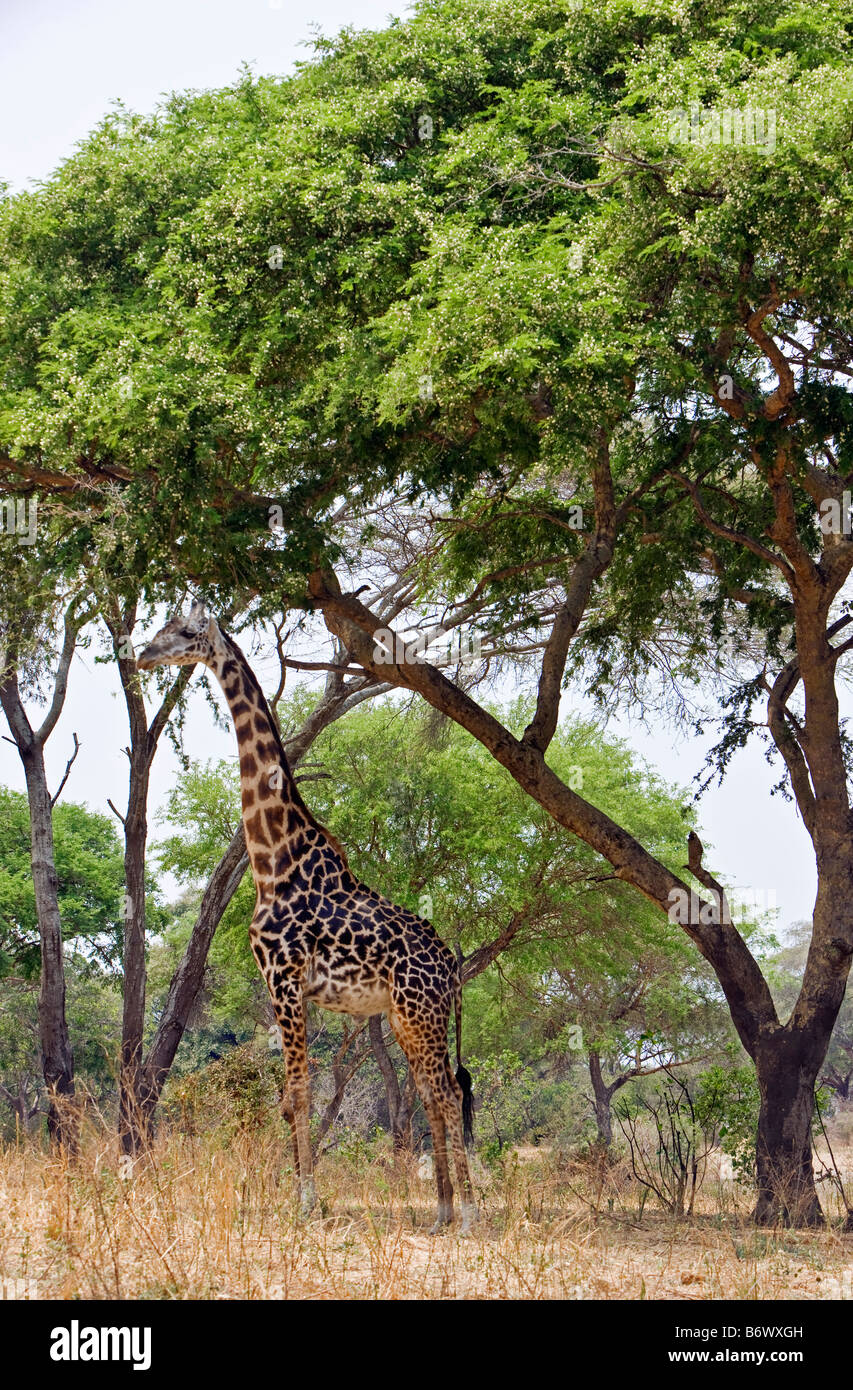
(68, 767)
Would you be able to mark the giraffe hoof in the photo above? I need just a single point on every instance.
(442, 1221)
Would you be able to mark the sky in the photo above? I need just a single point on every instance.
(65, 64)
(66, 61)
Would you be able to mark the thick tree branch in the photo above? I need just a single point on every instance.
(590, 567)
(727, 533)
(746, 990)
(694, 864)
(753, 321)
(73, 624)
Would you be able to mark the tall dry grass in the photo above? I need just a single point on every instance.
(214, 1217)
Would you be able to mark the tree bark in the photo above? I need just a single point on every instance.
(144, 738)
(399, 1101)
(56, 1053)
(131, 1111)
(787, 1066)
(602, 1096)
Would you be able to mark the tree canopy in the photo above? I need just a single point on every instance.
(443, 256)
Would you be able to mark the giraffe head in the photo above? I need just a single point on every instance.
(183, 641)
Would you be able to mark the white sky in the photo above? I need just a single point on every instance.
(63, 66)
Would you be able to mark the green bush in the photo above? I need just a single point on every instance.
(238, 1093)
(727, 1102)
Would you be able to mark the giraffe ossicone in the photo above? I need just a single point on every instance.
(320, 935)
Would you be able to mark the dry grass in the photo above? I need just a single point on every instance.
(206, 1219)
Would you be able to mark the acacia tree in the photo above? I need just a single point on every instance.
(515, 261)
(87, 859)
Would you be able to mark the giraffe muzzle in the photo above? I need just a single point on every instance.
(149, 658)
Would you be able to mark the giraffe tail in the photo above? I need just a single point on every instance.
(463, 1077)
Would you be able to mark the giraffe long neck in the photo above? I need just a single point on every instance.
(275, 818)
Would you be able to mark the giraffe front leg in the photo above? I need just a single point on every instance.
(290, 1012)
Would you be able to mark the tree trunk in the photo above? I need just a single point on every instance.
(787, 1066)
(144, 738)
(602, 1096)
(399, 1102)
(131, 1111)
(56, 1053)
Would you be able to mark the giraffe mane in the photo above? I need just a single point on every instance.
(297, 795)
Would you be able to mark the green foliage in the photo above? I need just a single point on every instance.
(516, 1100)
(727, 1102)
(93, 1010)
(90, 875)
(245, 292)
(358, 1149)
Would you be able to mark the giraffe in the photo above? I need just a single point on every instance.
(319, 934)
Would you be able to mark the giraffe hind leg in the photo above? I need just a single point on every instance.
(451, 1104)
(444, 1188)
(447, 1097)
(436, 1124)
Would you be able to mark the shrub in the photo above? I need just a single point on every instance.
(727, 1102)
(238, 1093)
